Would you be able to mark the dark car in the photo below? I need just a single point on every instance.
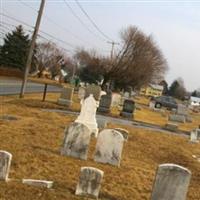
(165, 101)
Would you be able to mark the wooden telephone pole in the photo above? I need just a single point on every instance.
(32, 46)
(112, 48)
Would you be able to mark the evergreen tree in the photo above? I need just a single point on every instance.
(14, 51)
(177, 89)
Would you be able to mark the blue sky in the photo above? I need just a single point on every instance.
(175, 26)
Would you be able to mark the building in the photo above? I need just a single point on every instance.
(152, 90)
(194, 101)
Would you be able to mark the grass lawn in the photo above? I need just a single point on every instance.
(35, 140)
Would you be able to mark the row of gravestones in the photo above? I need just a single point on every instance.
(105, 100)
(171, 181)
(108, 147)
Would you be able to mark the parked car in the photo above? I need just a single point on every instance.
(165, 101)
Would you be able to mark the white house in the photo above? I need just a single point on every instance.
(194, 101)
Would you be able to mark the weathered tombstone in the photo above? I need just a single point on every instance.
(116, 99)
(152, 105)
(194, 136)
(128, 108)
(188, 118)
(76, 141)
(81, 92)
(5, 162)
(171, 182)
(124, 132)
(109, 147)
(177, 118)
(105, 103)
(87, 115)
(95, 90)
(38, 183)
(66, 96)
(89, 182)
(171, 127)
(182, 110)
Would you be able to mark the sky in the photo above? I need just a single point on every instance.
(174, 25)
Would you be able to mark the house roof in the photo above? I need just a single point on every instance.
(157, 87)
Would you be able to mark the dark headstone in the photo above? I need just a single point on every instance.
(105, 103)
(128, 108)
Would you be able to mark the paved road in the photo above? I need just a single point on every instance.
(13, 86)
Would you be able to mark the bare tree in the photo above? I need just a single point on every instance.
(139, 62)
(49, 57)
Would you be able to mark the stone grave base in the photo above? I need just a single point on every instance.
(103, 110)
(127, 115)
(171, 127)
(177, 118)
(64, 102)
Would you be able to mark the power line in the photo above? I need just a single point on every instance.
(94, 24)
(79, 19)
(51, 36)
(55, 23)
(39, 35)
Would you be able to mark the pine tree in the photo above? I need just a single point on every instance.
(14, 51)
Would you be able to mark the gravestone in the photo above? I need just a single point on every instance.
(109, 147)
(124, 132)
(105, 103)
(194, 136)
(177, 118)
(116, 99)
(171, 182)
(128, 108)
(188, 118)
(81, 92)
(76, 141)
(38, 183)
(171, 127)
(87, 115)
(182, 110)
(89, 182)
(66, 96)
(152, 105)
(5, 162)
(95, 90)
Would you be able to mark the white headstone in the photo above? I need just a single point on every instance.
(171, 183)
(194, 136)
(5, 162)
(182, 110)
(89, 182)
(152, 105)
(87, 115)
(109, 147)
(76, 141)
(38, 183)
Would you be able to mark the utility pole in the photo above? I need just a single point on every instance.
(32, 46)
(112, 48)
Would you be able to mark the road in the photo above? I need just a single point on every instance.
(10, 86)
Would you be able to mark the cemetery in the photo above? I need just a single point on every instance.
(55, 155)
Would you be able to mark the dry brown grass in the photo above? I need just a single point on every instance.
(35, 140)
